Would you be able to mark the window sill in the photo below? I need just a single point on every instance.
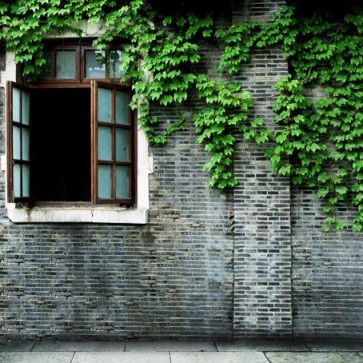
(77, 214)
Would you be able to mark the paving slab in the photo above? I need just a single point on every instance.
(122, 357)
(169, 346)
(335, 346)
(16, 346)
(316, 357)
(30, 357)
(220, 357)
(261, 346)
(79, 346)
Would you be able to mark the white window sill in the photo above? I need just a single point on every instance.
(77, 214)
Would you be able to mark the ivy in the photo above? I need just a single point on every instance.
(316, 139)
(319, 141)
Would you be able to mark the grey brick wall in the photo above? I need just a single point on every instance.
(327, 273)
(262, 289)
(208, 264)
(170, 278)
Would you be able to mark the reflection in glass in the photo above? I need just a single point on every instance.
(25, 103)
(114, 64)
(16, 104)
(25, 169)
(122, 145)
(16, 143)
(47, 70)
(25, 144)
(122, 101)
(66, 64)
(17, 180)
(122, 182)
(104, 143)
(95, 64)
(104, 105)
(104, 182)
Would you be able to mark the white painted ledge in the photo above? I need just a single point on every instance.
(77, 214)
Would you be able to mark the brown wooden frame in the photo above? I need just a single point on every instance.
(81, 82)
(80, 63)
(53, 50)
(9, 132)
(95, 123)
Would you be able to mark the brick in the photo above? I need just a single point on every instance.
(209, 264)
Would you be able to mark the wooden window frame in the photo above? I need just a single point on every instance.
(92, 84)
(80, 63)
(95, 85)
(53, 50)
(83, 51)
(9, 132)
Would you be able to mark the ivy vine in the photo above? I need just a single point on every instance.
(317, 140)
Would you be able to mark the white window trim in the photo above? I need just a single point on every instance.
(78, 212)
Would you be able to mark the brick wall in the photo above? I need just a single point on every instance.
(327, 273)
(208, 264)
(262, 290)
(170, 278)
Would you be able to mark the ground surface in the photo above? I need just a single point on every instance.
(243, 351)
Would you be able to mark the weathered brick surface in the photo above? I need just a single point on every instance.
(262, 292)
(170, 278)
(327, 273)
(208, 264)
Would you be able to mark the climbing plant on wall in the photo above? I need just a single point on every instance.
(317, 141)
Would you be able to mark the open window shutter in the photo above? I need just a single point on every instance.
(18, 134)
(112, 144)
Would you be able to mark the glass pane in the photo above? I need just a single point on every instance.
(115, 61)
(104, 105)
(16, 104)
(104, 181)
(122, 101)
(25, 102)
(66, 64)
(16, 142)
(104, 143)
(47, 70)
(95, 64)
(17, 180)
(25, 145)
(122, 182)
(26, 178)
(122, 145)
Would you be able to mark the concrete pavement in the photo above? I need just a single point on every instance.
(132, 351)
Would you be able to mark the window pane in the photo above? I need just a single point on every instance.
(16, 143)
(25, 144)
(122, 182)
(122, 145)
(47, 70)
(104, 143)
(104, 181)
(66, 64)
(104, 105)
(25, 102)
(16, 104)
(17, 180)
(25, 169)
(122, 101)
(95, 64)
(115, 61)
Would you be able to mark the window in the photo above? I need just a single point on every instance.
(71, 136)
(69, 63)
